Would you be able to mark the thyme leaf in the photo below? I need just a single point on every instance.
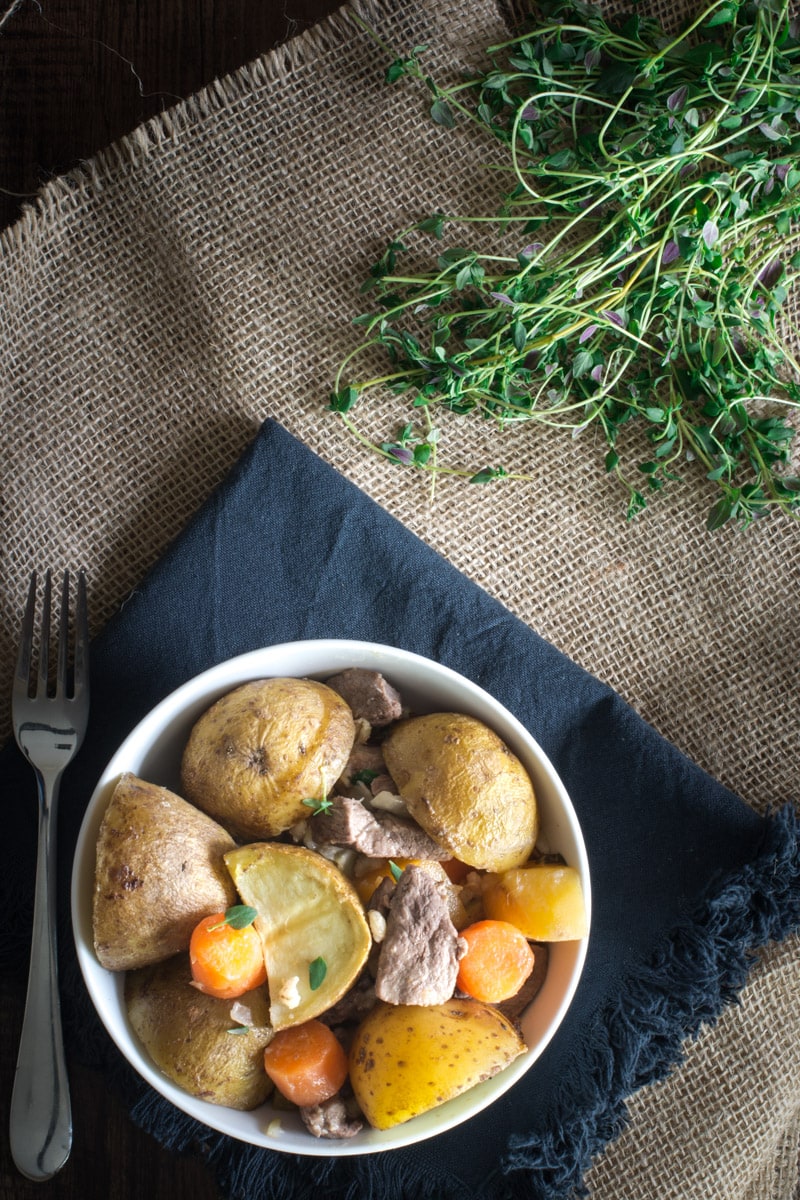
(317, 970)
(238, 916)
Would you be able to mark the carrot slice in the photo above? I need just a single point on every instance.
(497, 961)
(307, 1063)
(226, 962)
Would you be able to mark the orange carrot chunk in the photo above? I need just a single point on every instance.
(307, 1063)
(226, 962)
(497, 961)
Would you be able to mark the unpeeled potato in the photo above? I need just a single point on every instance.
(307, 913)
(466, 789)
(407, 1059)
(263, 748)
(213, 1049)
(158, 870)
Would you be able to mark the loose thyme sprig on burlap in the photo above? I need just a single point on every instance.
(653, 190)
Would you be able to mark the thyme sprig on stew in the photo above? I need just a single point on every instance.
(652, 190)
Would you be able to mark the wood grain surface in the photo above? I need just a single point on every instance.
(75, 75)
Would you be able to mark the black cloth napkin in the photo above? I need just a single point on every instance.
(687, 880)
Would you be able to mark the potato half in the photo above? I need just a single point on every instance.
(308, 913)
(263, 748)
(213, 1049)
(158, 871)
(466, 789)
(407, 1059)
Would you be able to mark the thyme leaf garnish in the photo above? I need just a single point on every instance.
(318, 806)
(238, 916)
(317, 970)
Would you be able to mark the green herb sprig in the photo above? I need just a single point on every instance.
(321, 804)
(652, 194)
(318, 806)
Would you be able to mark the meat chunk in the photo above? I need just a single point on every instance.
(348, 822)
(363, 758)
(418, 961)
(381, 899)
(331, 1119)
(368, 694)
(342, 823)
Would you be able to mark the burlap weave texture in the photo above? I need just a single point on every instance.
(203, 274)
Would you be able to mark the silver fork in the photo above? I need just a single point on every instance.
(49, 726)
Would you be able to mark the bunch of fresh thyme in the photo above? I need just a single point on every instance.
(654, 183)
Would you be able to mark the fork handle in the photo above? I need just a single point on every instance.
(41, 1115)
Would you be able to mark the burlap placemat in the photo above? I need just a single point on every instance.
(203, 274)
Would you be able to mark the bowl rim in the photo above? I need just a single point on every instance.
(199, 692)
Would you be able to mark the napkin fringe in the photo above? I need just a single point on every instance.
(699, 970)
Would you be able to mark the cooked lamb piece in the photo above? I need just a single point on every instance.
(380, 902)
(419, 955)
(377, 834)
(362, 758)
(381, 899)
(331, 1119)
(342, 822)
(368, 694)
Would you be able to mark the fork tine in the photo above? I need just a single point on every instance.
(63, 638)
(26, 637)
(44, 642)
(81, 637)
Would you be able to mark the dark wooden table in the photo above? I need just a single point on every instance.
(75, 75)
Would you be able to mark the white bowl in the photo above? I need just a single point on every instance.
(153, 751)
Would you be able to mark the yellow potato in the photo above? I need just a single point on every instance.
(158, 871)
(263, 748)
(465, 788)
(188, 1034)
(407, 1059)
(543, 900)
(307, 912)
